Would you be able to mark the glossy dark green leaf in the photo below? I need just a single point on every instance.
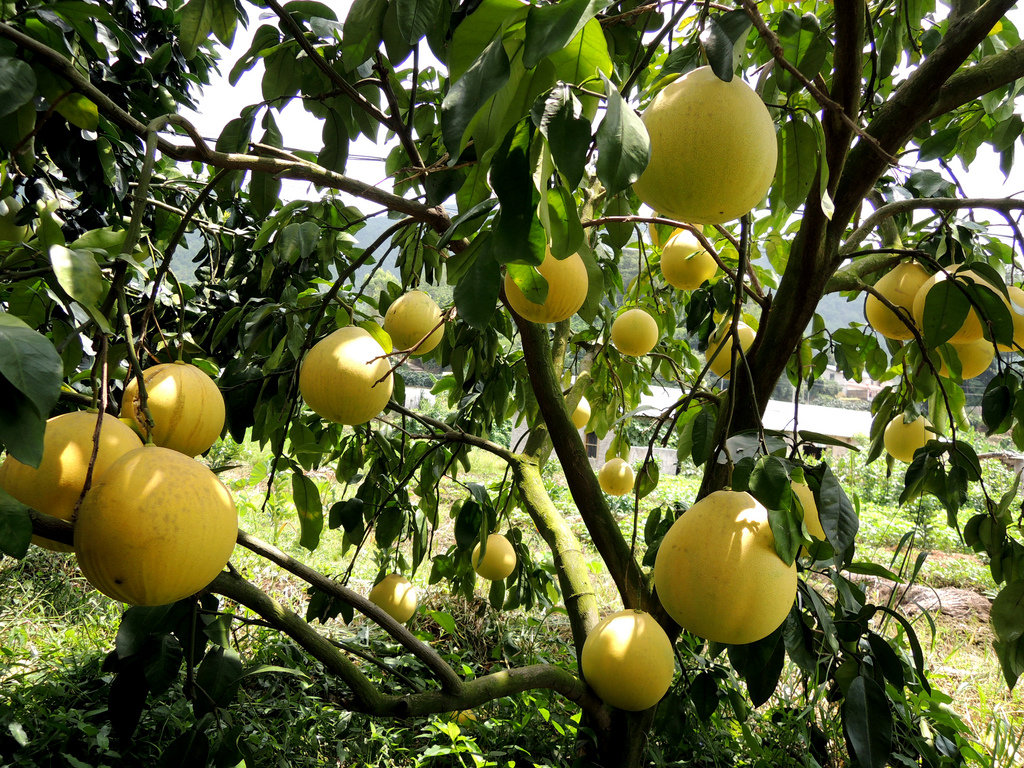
(786, 529)
(467, 524)
(310, 509)
(518, 235)
(798, 162)
(476, 293)
(804, 45)
(838, 517)
(17, 85)
(550, 28)
(162, 663)
(196, 25)
(361, 34)
(760, 665)
(769, 482)
(334, 154)
(15, 526)
(190, 748)
(703, 435)
(647, 478)
(496, 594)
(30, 364)
(565, 227)
(296, 242)
(939, 145)
(867, 723)
(1008, 612)
(945, 309)
(217, 680)
(469, 93)
(529, 281)
(720, 38)
(415, 17)
(623, 146)
(560, 119)
(265, 37)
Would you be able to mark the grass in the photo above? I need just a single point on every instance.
(56, 630)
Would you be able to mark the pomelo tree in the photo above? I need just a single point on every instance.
(513, 133)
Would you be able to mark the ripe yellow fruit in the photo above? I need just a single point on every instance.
(634, 332)
(899, 285)
(616, 477)
(410, 318)
(464, 716)
(567, 290)
(498, 561)
(158, 527)
(685, 263)
(1016, 307)
(971, 330)
(627, 659)
(54, 486)
(902, 439)
(186, 406)
(721, 362)
(346, 377)
(581, 414)
(717, 573)
(975, 357)
(713, 149)
(397, 596)
(811, 519)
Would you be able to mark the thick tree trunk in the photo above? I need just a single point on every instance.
(621, 745)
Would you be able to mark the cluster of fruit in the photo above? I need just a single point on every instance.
(155, 525)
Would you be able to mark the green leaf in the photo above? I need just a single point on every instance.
(306, 496)
(30, 364)
(15, 526)
(265, 38)
(1008, 612)
(196, 25)
(444, 620)
(769, 482)
(647, 480)
(720, 39)
(531, 282)
(550, 28)
(760, 664)
(476, 293)
(17, 85)
(560, 119)
(566, 231)
(296, 242)
(415, 18)
(945, 309)
(334, 154)
(940, 144)
(804, 45)
(798, 162)
(469, 93)
(223, 20)
(518, 235)
(838, 517)
(468, 523)
(217, 678)
(361, 34)
(623, 146)
(80, 275)
(867, 722)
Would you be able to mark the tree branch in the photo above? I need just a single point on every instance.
(985, 76)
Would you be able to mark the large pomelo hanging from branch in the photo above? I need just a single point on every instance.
(346, 377)
(717, 572)
(713, 149)
(899, 285)
(627, 659)
(568, 286)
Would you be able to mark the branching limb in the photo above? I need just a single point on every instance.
(447, 433)
(987, 75)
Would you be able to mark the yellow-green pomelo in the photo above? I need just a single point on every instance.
(499, 558)
(158, 527)
(975, 357)
(713, 149)
(902, 439)
(811, 519)
(717, 573)
(685, 263)
(721, 362)
(971, 330)
(616, 477)
(346, 377)
(634, 332)
(54, 487)
(899, 285)
(413, 318)
(397, 596)
(186, 406)
(1016, 307)
(627, 659)
(581, 414)
(567, 290)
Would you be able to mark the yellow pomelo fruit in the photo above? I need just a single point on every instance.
(346, 377)
(811, 519)
(899, 285)
(685, 263)
(721, 362)
(713, 149)
(717, 573)
(498, 561)
(971, 330)
(186, 406)
(634, 332)
(581, 414)
(397, 596)
(616, 477)
(627, 659)
(902, 439)
(1016, 307)
(465, 716)
(975, 357)
(567, 290)
(54, 486)
(157, 528)
(410, 318)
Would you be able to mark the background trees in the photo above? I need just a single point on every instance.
(511, 130)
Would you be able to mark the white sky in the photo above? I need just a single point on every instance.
(221, 103)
